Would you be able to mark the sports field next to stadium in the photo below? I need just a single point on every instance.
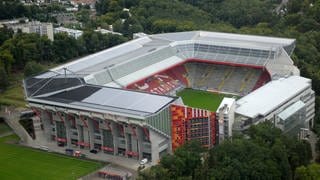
(18, 162)
(201, 99)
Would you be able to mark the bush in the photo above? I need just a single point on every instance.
(32, 68)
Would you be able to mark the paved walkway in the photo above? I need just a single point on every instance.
(126, 163)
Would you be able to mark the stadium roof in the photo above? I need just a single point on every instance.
(271, 96)
(228, 102)
(107, 100)
(122, 62)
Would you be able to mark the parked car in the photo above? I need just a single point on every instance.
(94, 151)
(143, 161)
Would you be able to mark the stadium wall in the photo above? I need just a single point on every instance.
(85, 131)
(193, 124)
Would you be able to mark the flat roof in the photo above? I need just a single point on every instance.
(270, 96)
(226, 101)
(107, 99)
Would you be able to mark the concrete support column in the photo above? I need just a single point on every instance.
(68, 129)
(91, 132)
(154, 146)
(47, 127)
(126, 137)
(140, 135)
(134, 139)
(115, 134)
(86, 134)
(80, 133)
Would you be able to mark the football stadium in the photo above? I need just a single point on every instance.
(146, 97)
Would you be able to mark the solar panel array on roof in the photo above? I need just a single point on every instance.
(36, 86)
(109, 99)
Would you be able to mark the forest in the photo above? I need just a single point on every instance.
(272, 155)
(265, 153)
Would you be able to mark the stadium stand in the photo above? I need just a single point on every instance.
(203, 76)
(166, 82)
(263, 79)
(222, 78)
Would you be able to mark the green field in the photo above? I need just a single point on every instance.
(18, 162)
(201, 99)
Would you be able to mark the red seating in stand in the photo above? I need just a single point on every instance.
(264, 77)
(163, 82)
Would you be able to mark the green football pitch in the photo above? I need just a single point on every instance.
(201, 99)
(18, 162)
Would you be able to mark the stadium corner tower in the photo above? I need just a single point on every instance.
(122, 101)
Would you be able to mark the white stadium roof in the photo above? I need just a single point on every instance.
(271, 96)
(126, 61)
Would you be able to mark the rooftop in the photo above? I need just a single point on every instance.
(142, 53)
(228, 102)
(106, 100)
(271, 96)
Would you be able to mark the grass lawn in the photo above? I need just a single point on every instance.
(18, 162)
(201, 99)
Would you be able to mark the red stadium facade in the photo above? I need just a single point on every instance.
(192, 124)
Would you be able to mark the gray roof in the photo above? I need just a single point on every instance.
(271, 96)
(107, 100)
(127, 58)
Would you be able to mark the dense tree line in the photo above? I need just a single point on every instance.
(264, 153)
(16, 51)
(15, 9)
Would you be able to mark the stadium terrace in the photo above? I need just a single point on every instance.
(125, 101)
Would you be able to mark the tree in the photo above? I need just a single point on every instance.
(102, 6)
(4, 82)
(181, 165)
(6, 59)
(265, 154)
(32, 68)
(65, 47)
(311, 171)
(5, 34)
(154, 173)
